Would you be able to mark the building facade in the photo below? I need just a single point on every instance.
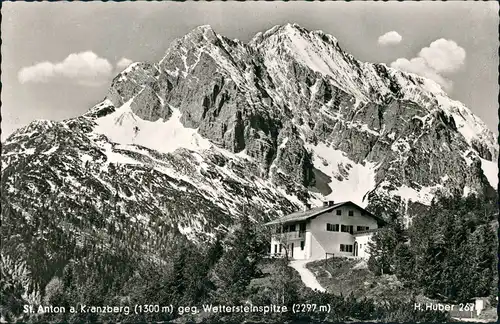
(335, 229)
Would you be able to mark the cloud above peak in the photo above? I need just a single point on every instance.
(123, 63)
(84, 68)
(390, 38)
(443, 55)
(440, 59)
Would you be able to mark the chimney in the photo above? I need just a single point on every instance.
(307, 206)
(328, 203)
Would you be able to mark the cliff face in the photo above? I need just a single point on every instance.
(218, 127)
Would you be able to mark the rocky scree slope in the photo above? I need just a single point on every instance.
(218, 128)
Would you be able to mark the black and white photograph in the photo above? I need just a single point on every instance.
(249, 162)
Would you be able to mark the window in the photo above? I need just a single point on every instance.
(285, 229)
(347, 228)
(346, 248)
(362, 228)
(280, 248)
(351, 213)
(292, 228)
(332, 227)
(302, 244)
(275, 248)
(302, 227)
(339, 212)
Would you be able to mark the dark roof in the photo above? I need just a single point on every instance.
(313, 212)
(302, 215)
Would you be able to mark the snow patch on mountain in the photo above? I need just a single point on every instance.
(30, 151)
(350, 181)
(424, 195)
(467, 191)
(312, 51)
(114, 157)
(125, 127)
(51, 150)
(469, 125)
(490, 170)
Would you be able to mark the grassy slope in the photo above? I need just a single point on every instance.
(269, 275)
(348, 276)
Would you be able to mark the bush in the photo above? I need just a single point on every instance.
(54, 293)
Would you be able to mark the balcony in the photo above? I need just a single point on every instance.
(290, 236)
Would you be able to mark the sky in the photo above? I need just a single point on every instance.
(58, 58)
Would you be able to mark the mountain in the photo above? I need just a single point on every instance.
(218, 128)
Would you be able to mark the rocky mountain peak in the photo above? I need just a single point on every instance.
(202, 34)
(286, 119)
(280, 34)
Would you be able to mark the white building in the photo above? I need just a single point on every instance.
(341, 229)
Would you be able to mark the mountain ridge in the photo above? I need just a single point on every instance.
(287, 118)
(431, 86)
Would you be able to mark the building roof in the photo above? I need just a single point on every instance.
(301, 215)
(313, 212)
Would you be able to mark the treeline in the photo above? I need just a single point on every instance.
(232, 270)
(448, 252)
(52, 268)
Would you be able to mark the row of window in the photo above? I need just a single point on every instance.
(345, 247)
(292, 228)
(339, 212)
(345, 228)
(302, 226)
(302, 245)
(332, 227)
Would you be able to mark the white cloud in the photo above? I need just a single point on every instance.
(84, 68)
(123, 63)
(441, 57)
(390, 38)
(419, 66)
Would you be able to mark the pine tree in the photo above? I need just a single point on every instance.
(215, 252)
(383, 246)
(238, 265)
(452, 249)
(284, 286)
